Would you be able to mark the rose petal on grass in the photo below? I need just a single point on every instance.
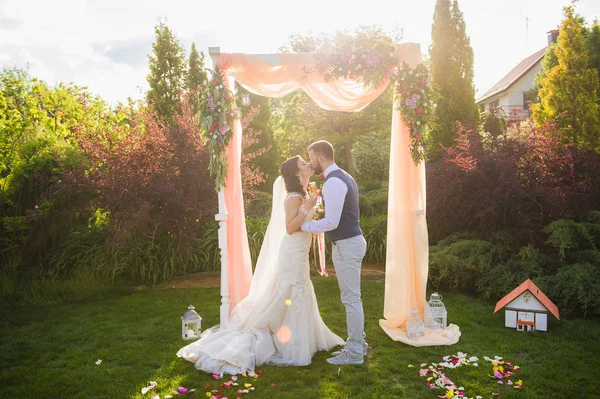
(497, 374)
(149, 387)
(272, 385)
(234, 377)
(97, 362)
(154, 397)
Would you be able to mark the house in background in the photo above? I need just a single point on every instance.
(526, 308)
(510, 97)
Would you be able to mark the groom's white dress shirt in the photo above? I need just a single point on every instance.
(334, 192)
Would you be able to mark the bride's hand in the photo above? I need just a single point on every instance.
(311, 202)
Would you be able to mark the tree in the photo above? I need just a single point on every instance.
(568, 93)
(167, 73)
(592, 46)
(196, 76)
(267, 161)
(451, 68)
(494, 124)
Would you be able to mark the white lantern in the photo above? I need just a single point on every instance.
(245, 99)
(436, 316)
(191, 324)
(414, 326)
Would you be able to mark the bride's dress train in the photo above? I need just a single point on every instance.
(280, 324)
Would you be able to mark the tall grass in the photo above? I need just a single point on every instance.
(84, 264)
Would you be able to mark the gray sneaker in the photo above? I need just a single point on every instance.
(345, 358)
(365, 347)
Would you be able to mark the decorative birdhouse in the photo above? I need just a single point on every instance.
(526, 308)
(436, 316)
(414, 326)
(191, 324)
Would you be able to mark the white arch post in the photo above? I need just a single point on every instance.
(222, 217)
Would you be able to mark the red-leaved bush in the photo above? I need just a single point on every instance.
(517, 182)
(150, 176)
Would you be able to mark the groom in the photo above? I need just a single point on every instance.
(340, 224)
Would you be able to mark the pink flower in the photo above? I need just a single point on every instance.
(418, 137)
(420, 111)
(424, 80)
(223, 128)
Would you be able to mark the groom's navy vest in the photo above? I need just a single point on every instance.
(349, 221)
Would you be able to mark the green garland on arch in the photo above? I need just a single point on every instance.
(416, 102)
(218, 113)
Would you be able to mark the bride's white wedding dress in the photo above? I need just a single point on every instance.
(279, 322)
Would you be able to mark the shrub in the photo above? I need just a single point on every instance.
(575, 289)
(520, 181)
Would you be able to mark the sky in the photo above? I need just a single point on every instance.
(104, 44)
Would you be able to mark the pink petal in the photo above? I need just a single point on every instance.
(182, 390)
(272, 385)
(149, 387)
(154, 397)
(234, 377)
(497, 374)
(423, 373)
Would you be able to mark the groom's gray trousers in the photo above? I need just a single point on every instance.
(347, 258)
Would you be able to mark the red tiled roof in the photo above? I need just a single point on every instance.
(514, 75)
(528, 285)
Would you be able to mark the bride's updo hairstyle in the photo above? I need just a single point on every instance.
(288, 170)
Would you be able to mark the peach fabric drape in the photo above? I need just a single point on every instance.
(277, 75)
(407, 257)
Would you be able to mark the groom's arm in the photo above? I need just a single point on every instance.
(335, 191)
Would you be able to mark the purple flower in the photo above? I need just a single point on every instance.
(411, 102)
(223, 128)
(372, 59)
(210, 103)
(219, 140)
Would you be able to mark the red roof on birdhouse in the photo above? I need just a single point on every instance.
(528, 285)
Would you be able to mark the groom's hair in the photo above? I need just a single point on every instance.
(324, 148)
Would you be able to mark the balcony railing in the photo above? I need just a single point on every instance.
(511, 112)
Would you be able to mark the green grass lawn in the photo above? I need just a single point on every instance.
(49, 352)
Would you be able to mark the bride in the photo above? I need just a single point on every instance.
(279, 321)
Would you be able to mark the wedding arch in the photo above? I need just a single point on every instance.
(331, 87)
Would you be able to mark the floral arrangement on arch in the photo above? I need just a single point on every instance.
(218, 113)
(367, 64)
(371, 59)
(416, 103)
